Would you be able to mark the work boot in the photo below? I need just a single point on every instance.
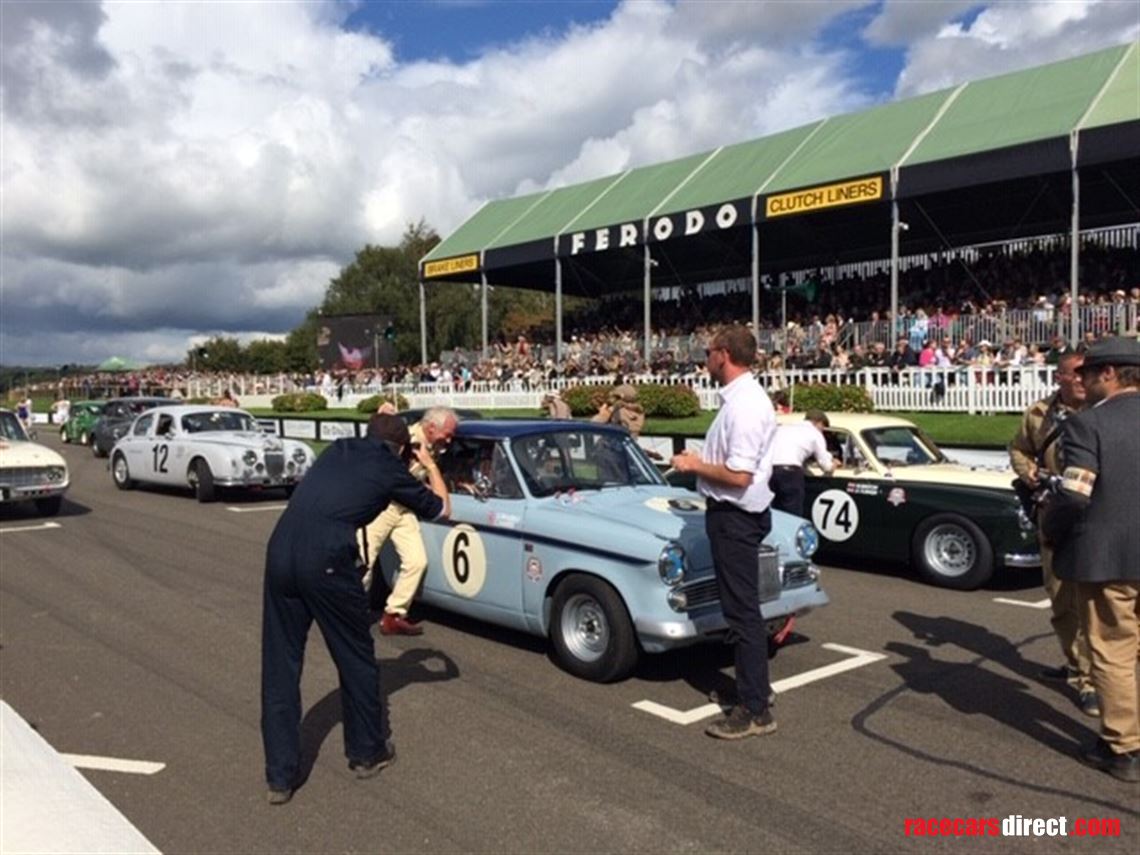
(741, 723)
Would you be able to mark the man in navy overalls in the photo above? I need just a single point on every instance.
(312, 573)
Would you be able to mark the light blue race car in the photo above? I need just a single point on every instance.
(566, 529)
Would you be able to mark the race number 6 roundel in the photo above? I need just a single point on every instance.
(835, 514)
(464, 561)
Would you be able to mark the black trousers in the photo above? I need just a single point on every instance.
(735, 536)
(295, 596)
(787, 483)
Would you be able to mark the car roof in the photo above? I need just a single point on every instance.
(179, 410)
(511, 428)
(852, 421)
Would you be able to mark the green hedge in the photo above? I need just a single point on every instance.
(299, 402)
(658, 401)
(830, 398)
(371, 405)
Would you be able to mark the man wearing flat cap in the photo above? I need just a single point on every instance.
(1094, 526)
(312, 574)
(622, 409)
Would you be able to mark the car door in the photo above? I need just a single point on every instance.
(165, 469)
(135, 444)
(475, 559)
(847, 506)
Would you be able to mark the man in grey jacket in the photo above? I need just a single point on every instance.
(1094, 525)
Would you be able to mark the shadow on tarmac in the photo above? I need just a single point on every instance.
(421, 665)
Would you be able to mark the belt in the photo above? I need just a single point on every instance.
(788, 468)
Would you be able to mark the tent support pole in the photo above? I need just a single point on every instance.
(557, 305)
(483, 301)
(756, 282)
(423, 324)
(895, 329)
(648, 296)
(1075, 252)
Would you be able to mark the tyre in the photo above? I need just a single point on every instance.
(50, 506)
(84, 438)
(63, 435)
(202, 481)
(95, 450)
(950, 551)
(289, 490)
(590, 630)
(121, 473)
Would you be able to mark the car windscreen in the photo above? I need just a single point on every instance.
(10, 428)
(231, 420)
(559, 461)
(902, 446)
(141, 406)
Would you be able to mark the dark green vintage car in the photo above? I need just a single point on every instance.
(82, 418)
(897, 497)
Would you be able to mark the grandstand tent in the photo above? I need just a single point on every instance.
(1034, 152)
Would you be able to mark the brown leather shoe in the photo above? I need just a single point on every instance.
(394, 624)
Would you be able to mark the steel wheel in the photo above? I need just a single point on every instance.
(121, 473)
(950, 550)
(585, 628)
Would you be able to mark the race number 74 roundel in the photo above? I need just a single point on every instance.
(835, 514)
(464, 561)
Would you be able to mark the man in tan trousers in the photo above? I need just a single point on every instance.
(433, 432)
(1035, 453)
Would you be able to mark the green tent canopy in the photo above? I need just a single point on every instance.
(118, 363)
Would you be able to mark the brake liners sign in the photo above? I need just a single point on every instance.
(825, 196)
(459, 264)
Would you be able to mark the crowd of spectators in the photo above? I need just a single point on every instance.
(995, 309)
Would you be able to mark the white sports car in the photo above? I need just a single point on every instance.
(29, 472)
(206, 448)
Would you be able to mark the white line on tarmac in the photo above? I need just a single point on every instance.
(113, 764)
(1040, 604)
(256, 510)
(856, 658)
(39, 527)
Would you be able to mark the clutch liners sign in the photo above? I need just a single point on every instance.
(824, 196)
(459, 264)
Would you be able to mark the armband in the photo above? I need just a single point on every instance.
(1079, 481)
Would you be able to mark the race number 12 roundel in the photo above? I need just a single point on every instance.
(835, 514)
(464, 561)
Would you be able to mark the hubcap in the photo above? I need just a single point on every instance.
(950, 550)
(121, 470)
(585, 628)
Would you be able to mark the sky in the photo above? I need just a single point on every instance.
(171, 171)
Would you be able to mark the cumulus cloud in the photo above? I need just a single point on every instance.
(1012, 35)
(174, 170)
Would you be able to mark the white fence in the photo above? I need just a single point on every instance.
(970, 389)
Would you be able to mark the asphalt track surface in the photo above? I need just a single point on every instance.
(133, 631)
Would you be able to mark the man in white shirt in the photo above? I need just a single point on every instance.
(792, 447)
(733, 470)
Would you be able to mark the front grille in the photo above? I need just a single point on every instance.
(274, 464)
(703, 592)
(17, 477)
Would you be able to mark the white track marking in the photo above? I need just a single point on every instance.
(856, 658)
(40, 527)
(113, 764)
(256, 510)
(1040, 604)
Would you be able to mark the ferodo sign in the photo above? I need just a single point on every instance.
(682, 224)
(825, 196)
(459, 264)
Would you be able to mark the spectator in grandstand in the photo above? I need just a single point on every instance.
(902, 359)
(1057, 350)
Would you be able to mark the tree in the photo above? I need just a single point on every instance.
(265, 356)
(217, 354)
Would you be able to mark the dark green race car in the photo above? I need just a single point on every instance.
(81, 420)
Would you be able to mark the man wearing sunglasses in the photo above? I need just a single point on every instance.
(733, 471)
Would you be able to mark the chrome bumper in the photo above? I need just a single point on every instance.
(1016, 559)
(657, 635)
(27, 493)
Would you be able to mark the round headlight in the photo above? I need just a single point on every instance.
(677, 600)
(56, 473)
(671, 564)
(250, 457)
(299, 455)
(807, 540)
